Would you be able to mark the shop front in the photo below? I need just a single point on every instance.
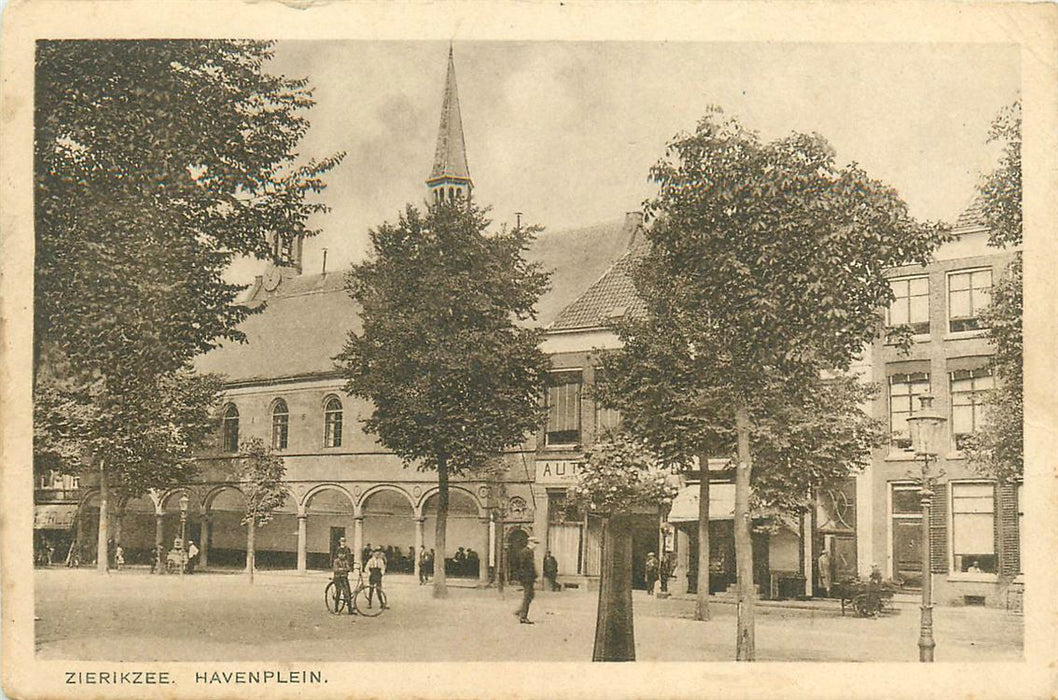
(572, 536)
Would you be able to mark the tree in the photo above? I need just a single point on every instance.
(770, 259)
(452, 377)
(260, 473)
(998, 449)
(156, 164)
(620, 477)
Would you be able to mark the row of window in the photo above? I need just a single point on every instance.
(968, 389)
(972, 523)
(332, 425)
(969, 292)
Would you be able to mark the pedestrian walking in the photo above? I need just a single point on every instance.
(376, 569)
(111, 551)
(651, 572)
(551, 570)
(525, 573)
(341, 565)
(424, 566)
(192, 556)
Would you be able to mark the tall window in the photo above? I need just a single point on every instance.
(904, 390)
(229, 440)
(911, 306)
(968, 390)
(280, 425)
(969, 292)
(973, 527)
(605, 418)
(563, 408)
(332, 421)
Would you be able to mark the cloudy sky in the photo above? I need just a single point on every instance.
(566, 132)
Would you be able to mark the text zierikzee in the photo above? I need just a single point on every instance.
(118, 678)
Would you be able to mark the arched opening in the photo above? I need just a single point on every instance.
(330, 516)
(389, 523)
(332, 422)
(516, 541)
(280, 425)
(276, 542)
(135, 530)
(225, 535)
(466, 538)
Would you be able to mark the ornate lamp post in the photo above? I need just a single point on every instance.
(184, 500)
(927, 432)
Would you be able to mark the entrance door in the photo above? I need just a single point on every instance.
(907, 551)
(516, 541)
(337, 533)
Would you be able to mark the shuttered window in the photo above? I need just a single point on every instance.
(563, 408)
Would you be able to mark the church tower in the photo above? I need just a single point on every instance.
(450, 178)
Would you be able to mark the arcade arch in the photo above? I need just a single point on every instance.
(467, 528)
(389, 522)
(328, 514)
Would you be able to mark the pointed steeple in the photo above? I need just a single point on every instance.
(450, 176)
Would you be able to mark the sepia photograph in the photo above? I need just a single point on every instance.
(521, 349)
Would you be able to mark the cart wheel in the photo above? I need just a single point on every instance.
(361, 604)
(333, 599)
(859, 604)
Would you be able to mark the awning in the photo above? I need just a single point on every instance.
(54, 516)
(721, 503)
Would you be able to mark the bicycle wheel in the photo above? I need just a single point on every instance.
(366, 608)
(333, 599)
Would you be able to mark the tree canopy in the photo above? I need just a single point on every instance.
(998, 449)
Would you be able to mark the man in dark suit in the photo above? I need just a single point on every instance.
(525, 572)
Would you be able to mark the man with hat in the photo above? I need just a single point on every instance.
(525, 573)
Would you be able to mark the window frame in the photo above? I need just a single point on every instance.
(333, 421)
(956, 571)
(229, 439)
(973, 322)
(977, 401)
(578, 399)
(601, 411)
(888, 312)
(913, 409)
(280, 424)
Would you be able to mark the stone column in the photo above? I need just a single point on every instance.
(303, 523)
(358, 538)
(419, 539)
(158, 520)
(205, 536)
(483, 555)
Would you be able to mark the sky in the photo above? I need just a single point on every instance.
(566, 132)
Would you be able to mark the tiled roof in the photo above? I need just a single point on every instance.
(973, 216)
(307, 318)
(611, 297)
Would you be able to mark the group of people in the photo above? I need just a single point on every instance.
(659, 569)
(160, 560)
(343, 563)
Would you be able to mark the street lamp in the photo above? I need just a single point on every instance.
(927, 432)
(184, 500)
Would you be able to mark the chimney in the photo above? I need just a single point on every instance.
(633, 222)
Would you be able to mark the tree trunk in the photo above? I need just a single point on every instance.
(614, 628)
(250, 562)
(701, 601)
(745, 645)
(104, 517)
(440, 586)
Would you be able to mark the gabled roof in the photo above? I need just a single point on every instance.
(973, 217)
(450, 158)
(306, 320)
(612, 296)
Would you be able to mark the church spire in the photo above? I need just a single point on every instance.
(450, 176)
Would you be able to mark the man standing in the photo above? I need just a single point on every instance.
(424, 566)
(376, 569)
(192, 556)
(551, 571)
(341, 566)
(651, 570)
(826, 579)
(525, 572)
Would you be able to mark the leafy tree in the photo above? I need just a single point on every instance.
(453, 378)
(998, 449)
(621, 476)
(260, 473)
(769, 259)
(156, 164)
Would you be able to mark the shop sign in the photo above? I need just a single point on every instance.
(558, 471)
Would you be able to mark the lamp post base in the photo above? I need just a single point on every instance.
(926, 645)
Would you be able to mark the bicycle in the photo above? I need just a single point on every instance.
(335, 602)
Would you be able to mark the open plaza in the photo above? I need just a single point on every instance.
(131, 616)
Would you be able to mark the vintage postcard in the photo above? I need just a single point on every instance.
(361, 349)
